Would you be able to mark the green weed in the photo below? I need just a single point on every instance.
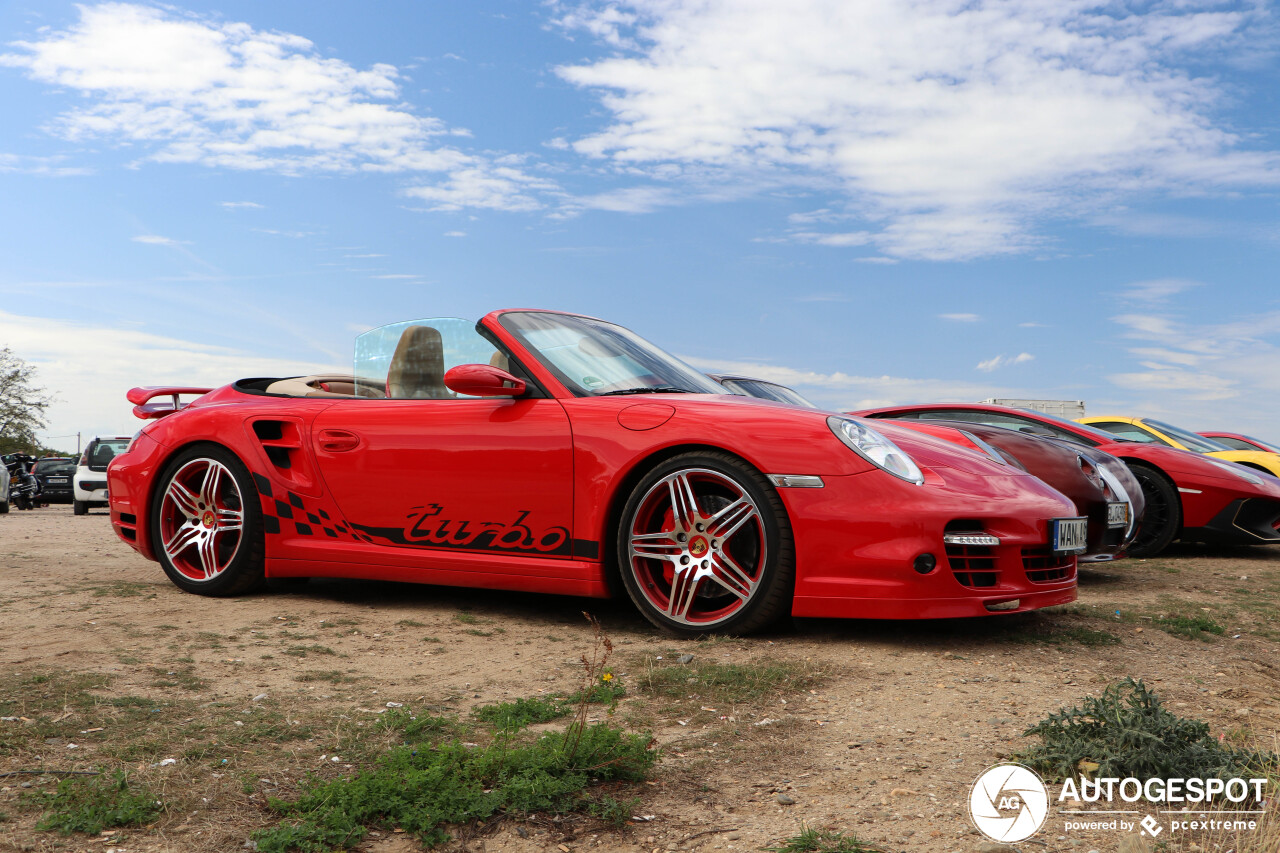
(421, 790)
(1128, 732)
(96, 803)
(823, 841)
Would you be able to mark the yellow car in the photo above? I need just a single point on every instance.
(1150, 431)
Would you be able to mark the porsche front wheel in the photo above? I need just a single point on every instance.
(704, 546)
(206, 523)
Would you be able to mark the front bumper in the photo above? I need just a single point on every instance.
(858, 538)
(1246, 521)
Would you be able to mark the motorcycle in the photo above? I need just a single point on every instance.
(24, 488)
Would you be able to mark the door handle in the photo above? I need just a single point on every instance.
(337, 440)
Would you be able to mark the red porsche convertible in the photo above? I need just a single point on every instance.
(551, 452)
(1188, 495)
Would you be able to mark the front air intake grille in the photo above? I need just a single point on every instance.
(1043, 565)
(973, 565)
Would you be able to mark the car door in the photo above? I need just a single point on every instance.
(453, 472)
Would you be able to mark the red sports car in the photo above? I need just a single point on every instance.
(551, 452)
(1099, 484)
(1237, 441)
(1188, 495)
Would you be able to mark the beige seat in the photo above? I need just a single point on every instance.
(500, 361)
(417, 367)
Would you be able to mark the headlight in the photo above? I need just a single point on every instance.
(1239, 470)
(875, 448)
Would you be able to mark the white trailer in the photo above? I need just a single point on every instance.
(1069, 409)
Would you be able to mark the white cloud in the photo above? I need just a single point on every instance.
(49, 166)
(1187, 364)
(455, 233)
(1004, 361)
(844, 391)
(397, 275)
(156, 240)
(961, 318)
(851, 238)
(90, 368)
(1157, 290)
(955, 129)
(236, 205)
(190, 89)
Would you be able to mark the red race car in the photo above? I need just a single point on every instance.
(551, 452)
(1188, 495)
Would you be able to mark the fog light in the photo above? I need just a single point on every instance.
(925, 563)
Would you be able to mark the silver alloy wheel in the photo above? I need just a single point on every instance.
(201, 519)
(697, 547)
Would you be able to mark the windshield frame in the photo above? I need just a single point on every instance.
(669, 374)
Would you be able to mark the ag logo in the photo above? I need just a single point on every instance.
(1008, 803)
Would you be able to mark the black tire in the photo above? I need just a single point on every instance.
(1162, 519)
(227, 560)
(4, 507)
(723, 596)
(80, 507)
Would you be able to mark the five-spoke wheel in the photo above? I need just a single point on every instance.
(704, 546)
(207, 525)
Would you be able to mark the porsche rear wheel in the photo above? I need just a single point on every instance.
(1161, 519)
(206, 523)
(704, 545)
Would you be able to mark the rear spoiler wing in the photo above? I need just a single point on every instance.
(145, 409)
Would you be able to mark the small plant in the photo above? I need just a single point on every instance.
(466, 618)
(724, 682)
(95, 803)
(1194, 627)
(823, 841)
(313, 649)
(512, 716)
(1128, 732)
(429, 783)
(411, 623)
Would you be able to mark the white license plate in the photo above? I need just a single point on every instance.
(1069, 534)
(1118, 514)
(60, 481)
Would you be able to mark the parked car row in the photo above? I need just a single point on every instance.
(550, 452)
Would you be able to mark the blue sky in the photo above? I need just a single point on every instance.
(874, 202)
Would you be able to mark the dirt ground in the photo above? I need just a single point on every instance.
(893, 724)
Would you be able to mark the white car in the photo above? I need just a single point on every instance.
(4, 490)
(90, 482)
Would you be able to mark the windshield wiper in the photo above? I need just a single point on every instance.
(650, 389)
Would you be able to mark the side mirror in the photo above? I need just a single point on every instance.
(482, 380)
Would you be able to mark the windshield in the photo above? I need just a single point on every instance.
(1091, 431)
(595, 359)
(55, 466)
(1268, 445)
(1192, 441)
(766, 391)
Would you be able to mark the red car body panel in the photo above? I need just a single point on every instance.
(525, 494)
(1212, 500)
